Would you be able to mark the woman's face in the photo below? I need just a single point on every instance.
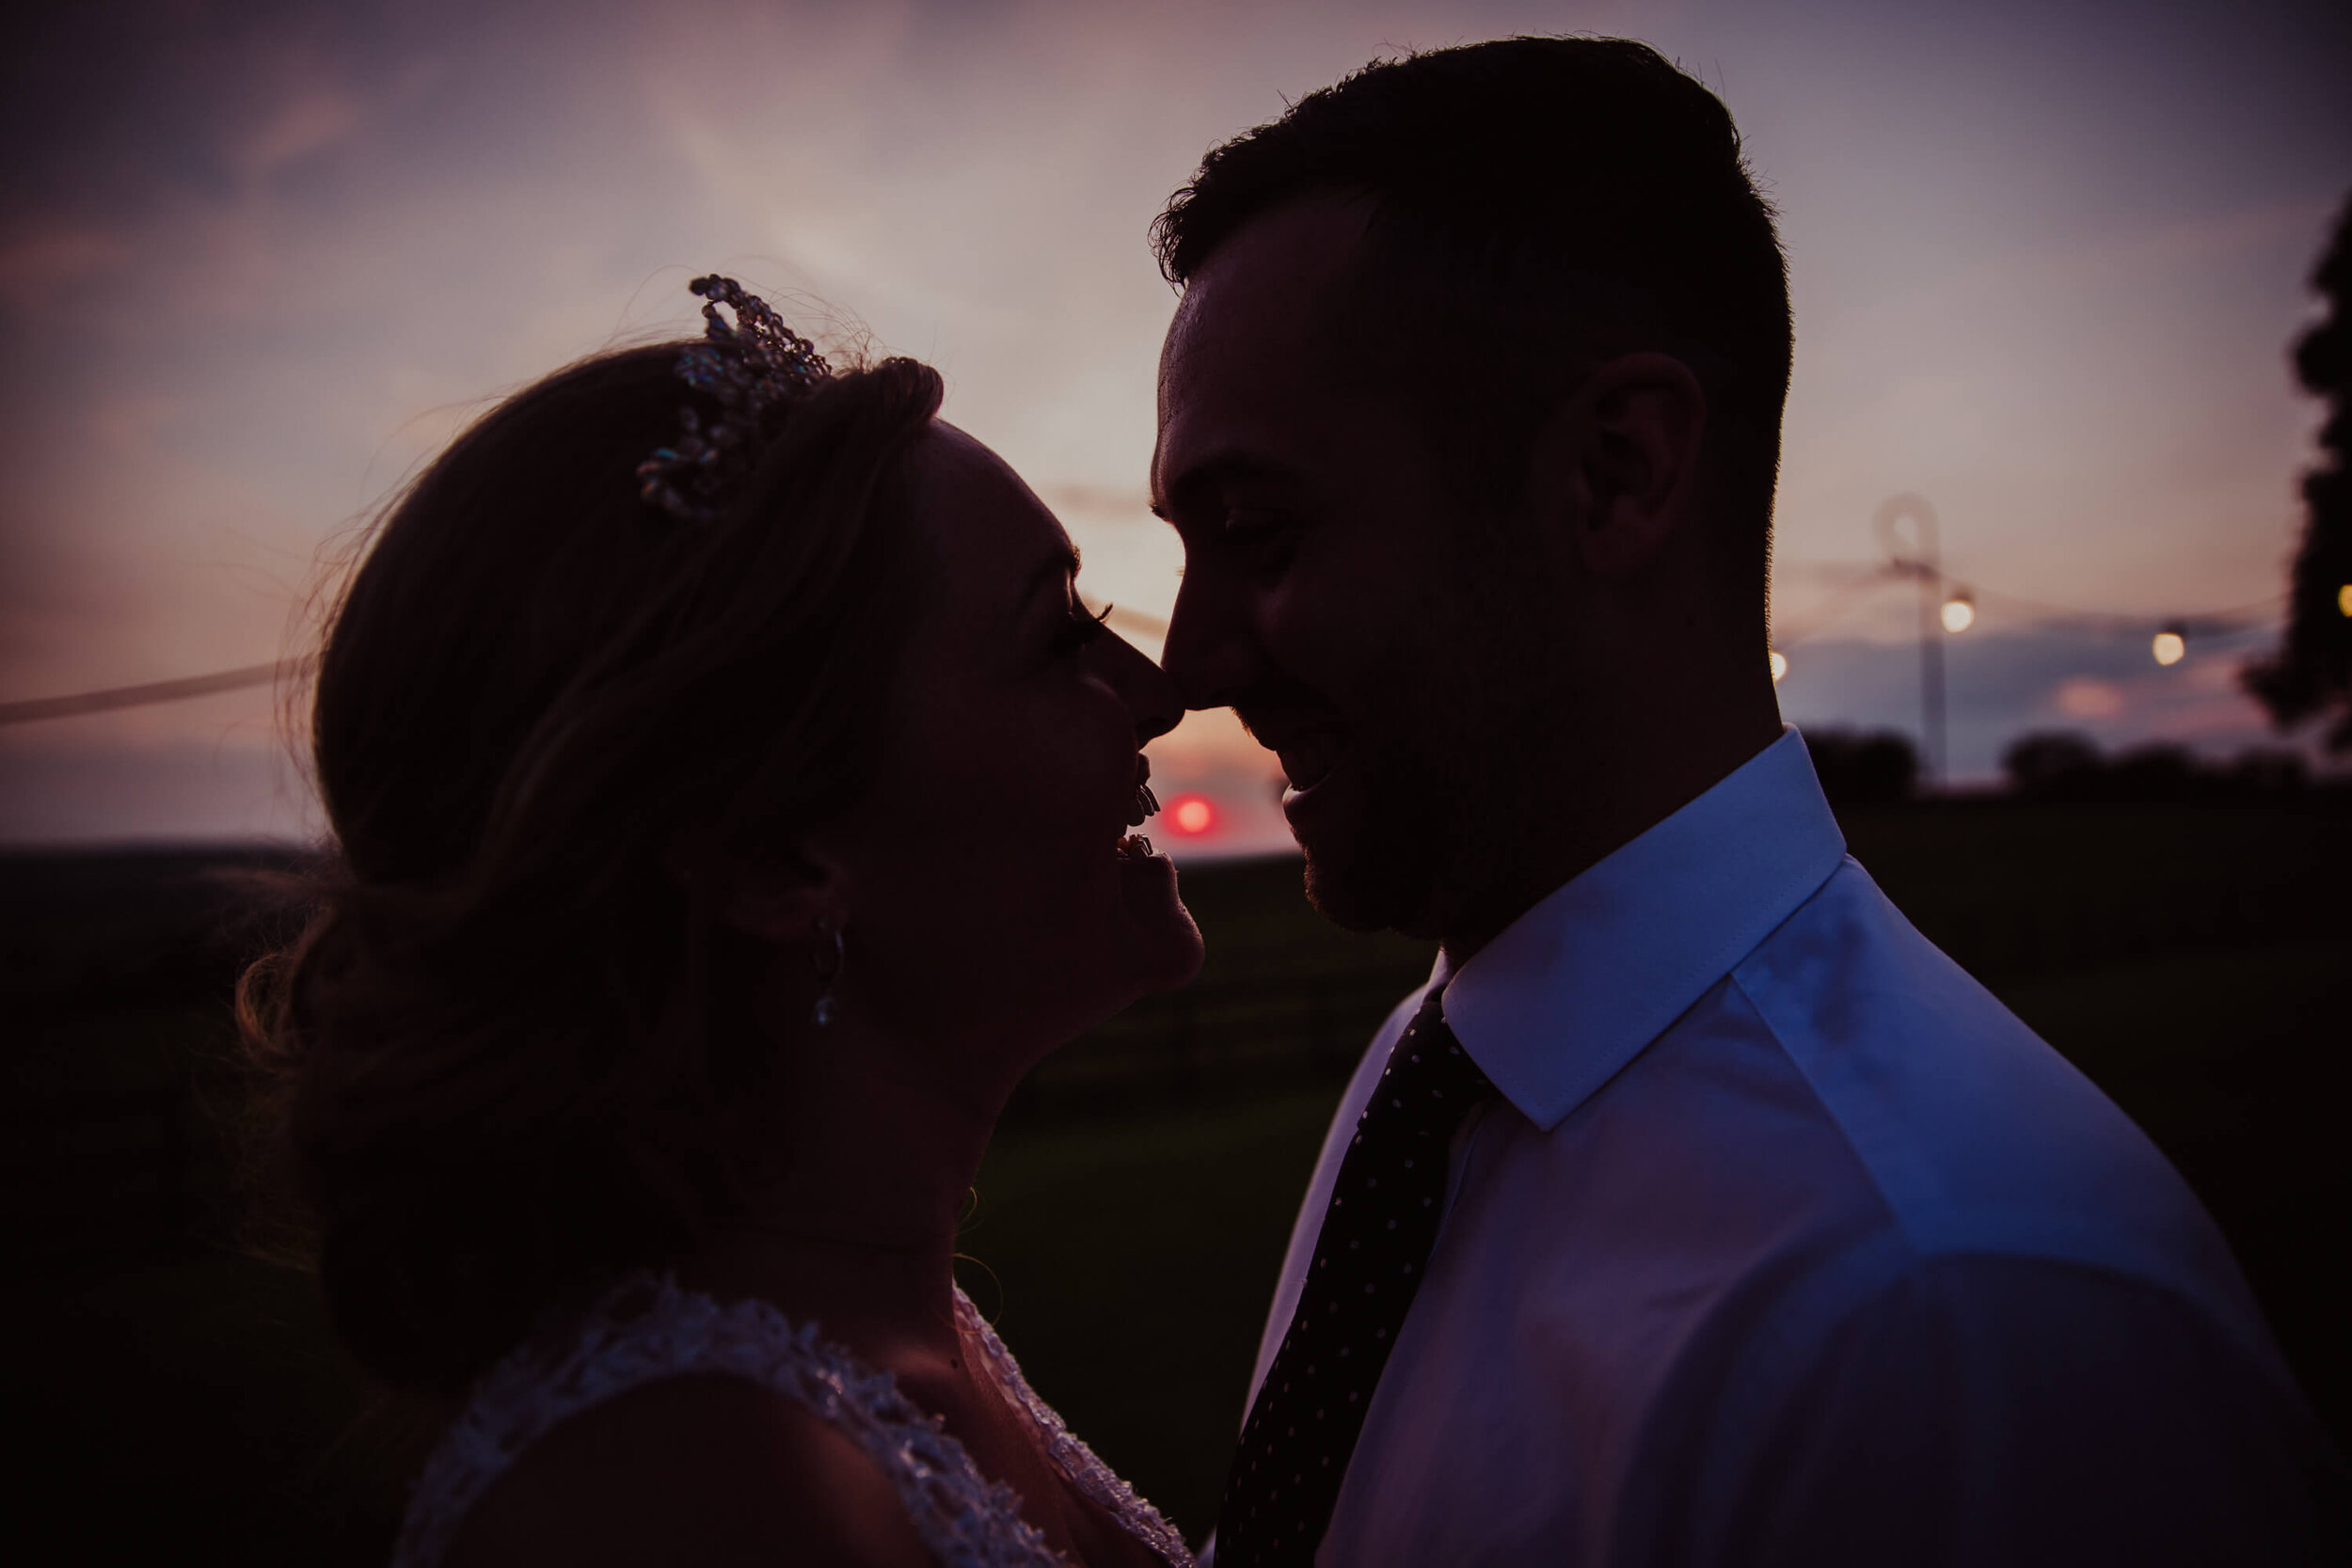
(989, 900)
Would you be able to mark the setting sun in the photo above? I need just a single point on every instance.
(1192, 816)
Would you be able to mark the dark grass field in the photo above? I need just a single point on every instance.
(169, 1395)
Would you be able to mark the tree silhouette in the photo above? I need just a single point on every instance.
(2054, 764)
(2312, 674)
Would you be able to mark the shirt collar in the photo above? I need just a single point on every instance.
(1575, 988)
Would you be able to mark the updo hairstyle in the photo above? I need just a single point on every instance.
(552, 723)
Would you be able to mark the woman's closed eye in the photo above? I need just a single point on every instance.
(1079, 628)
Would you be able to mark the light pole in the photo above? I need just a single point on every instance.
(1922, 556)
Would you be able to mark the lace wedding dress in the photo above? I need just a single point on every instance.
(649, 1328)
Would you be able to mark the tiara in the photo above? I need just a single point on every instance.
(752, 368)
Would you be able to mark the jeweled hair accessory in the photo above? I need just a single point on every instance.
(752, 369)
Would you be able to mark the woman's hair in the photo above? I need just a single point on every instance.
(551, 722)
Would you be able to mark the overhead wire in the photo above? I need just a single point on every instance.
(148, 692)
(1787, 633)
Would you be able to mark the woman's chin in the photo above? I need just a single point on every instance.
(1169, 943)
(1184, 952)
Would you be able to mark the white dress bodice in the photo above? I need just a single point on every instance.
(649, 1328)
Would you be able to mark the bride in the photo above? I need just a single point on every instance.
(722, 833)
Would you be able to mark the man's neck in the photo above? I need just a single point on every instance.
(1614, 808)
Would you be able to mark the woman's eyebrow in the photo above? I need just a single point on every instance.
(1057, 571)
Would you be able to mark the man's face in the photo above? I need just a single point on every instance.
(1379, 637)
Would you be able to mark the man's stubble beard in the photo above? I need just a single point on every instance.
(1387, 876)
(1454, 805)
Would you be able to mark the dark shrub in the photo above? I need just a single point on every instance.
(2054, 764)
(2269, 770)
(1873, 767)
(2160, 771)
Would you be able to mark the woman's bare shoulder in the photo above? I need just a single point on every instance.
(703, 1469)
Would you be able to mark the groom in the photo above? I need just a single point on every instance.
(1698, 1211)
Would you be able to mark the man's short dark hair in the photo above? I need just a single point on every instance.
(1558, 200)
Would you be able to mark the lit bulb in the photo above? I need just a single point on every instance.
(1959, 615)
(2343, 598)
(2170, 648)
(1780, 665)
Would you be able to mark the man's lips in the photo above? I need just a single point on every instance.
(1307, 757)
(1298, 725)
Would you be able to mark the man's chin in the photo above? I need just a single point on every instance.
(1367, 886)
(1370, 850)
(1337, 900)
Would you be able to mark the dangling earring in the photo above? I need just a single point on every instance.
(828, 959)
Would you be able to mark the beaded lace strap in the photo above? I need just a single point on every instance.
(649, 1328)
(1098, 1480)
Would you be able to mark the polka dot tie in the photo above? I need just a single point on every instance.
(1377, 1238)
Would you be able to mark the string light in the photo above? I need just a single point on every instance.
(1915, 556)
(2344, 599)
(1961, 611)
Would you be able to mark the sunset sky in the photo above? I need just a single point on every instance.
(257, 262)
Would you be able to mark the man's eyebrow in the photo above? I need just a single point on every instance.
(1205, 480)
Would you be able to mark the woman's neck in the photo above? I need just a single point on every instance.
(859, 1231)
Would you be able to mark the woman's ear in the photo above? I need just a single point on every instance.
(1616, 467)
(782, 898)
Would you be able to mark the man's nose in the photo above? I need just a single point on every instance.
(1212, 649)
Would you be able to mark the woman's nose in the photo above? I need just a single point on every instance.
(1150, 691)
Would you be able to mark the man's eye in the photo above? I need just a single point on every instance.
(1254, 526)
(1264, 540)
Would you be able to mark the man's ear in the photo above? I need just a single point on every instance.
(782, 899)
(1617, 464)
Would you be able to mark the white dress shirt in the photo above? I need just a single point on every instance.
(1782, 1241)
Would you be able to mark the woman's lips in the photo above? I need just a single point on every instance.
(1142, 809)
